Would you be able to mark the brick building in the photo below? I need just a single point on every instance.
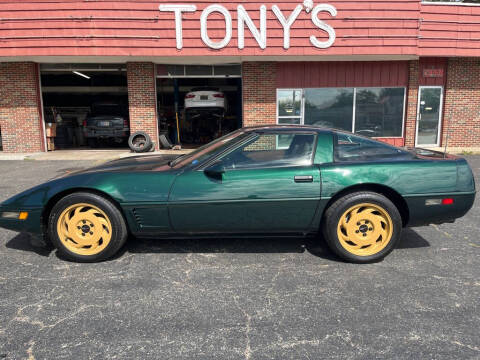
(403, 71)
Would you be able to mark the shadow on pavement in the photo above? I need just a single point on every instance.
(26, 242)
(410, 240)
(317, 247)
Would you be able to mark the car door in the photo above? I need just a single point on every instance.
(266, 185)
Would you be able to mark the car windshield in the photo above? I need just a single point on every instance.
(199, 155)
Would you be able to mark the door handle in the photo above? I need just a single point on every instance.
(303, 178)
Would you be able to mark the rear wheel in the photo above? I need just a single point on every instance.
(362, 227)
(85, 227)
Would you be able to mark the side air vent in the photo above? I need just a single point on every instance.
(138, 217)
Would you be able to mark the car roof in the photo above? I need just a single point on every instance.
(266, 128)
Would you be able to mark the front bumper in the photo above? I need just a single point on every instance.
(32, 224)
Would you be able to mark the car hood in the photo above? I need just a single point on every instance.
(139, 178)
(132, 164)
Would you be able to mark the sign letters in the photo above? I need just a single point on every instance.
(433, 73)
(244, 20)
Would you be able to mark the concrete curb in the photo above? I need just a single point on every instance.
(94, 155)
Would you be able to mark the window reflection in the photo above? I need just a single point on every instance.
(289, 102)
(329, 107)
(379, 112)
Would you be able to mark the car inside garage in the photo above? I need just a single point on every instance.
(85, 105)
(205, 99)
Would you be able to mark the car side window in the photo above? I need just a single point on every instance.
(272, 150)
(354, 148)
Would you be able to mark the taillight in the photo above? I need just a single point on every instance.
(189, 96)
(218, 96)
(85, 123)
(445, 201)
(125, 123)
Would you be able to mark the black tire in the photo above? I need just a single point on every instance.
(164, 141)
(140, 142)
(332, 218)
(118, 231)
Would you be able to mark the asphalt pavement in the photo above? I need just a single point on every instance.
(239, 299)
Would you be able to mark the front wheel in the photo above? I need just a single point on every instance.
(362, 227)
(86, 227)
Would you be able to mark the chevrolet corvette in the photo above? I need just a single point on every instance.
(354, 192)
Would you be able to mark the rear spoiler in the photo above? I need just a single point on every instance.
(427, 153)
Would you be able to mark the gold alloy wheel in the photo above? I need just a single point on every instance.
(365, 229)
(84, 229)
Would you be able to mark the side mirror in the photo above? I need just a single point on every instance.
(216, 170)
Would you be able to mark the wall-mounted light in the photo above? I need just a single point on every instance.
(81, 74)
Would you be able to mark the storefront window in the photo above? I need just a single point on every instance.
(290, 121)
(374, 112)
(379, 112)
(329, 107)
(289, 104)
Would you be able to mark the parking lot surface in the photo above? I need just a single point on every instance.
(239, 299)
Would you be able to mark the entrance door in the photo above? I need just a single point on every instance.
(429, 115)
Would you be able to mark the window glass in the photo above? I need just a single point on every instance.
(204, 152)
(175, 70)
(227, 70)
(329, 107)
(289, 121)
(379, 112)
(199, 70)
(289, 103)
(268, 150)
(354, 148)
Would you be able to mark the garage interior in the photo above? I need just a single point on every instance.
(197, 127)
(74, 94)
(77, 95)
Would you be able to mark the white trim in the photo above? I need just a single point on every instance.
(440, 116)
(157, 145)
(405, 94)
(42, 113)
(203, 60)
(354, 115)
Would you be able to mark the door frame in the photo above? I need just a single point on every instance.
(440, 116)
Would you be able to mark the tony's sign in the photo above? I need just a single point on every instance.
(244, 19)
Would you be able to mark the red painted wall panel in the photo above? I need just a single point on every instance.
(138, 28)
(449, 30)
(342, 74)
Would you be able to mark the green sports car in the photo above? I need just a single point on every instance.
(355, 192)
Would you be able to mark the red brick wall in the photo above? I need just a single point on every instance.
(412, 102)
(20, 120)
(462, 103)
(259, 93)
(142, 99)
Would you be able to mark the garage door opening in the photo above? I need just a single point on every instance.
(207, 100)
(85, 105)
